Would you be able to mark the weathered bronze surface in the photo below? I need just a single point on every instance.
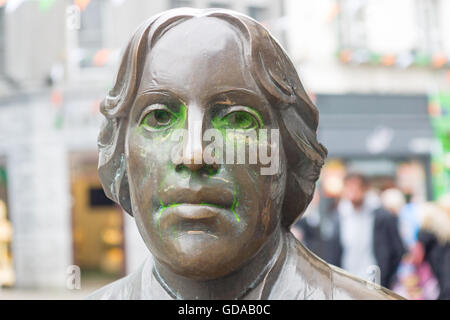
(215, 231)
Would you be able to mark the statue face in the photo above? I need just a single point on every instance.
(201, 221)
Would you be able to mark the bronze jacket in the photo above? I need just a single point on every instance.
(302, 276)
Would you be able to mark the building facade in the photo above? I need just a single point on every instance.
(375, 68)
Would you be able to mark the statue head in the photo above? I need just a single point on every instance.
(195, 70)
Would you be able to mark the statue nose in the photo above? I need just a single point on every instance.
(193, 160)
(192, 155)
(193, 148)
(193, 166)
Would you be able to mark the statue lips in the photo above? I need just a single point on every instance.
(203, 211)
(217, 196)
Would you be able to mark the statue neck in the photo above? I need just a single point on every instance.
(233, 286)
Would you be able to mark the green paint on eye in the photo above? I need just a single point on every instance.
(243, 120)
(219, 124)
(158, 119)
(181, 117)
(164, 118)
(238, 120)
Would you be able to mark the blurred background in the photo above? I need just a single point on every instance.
(378, 70)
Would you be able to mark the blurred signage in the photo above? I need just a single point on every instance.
(379, 139)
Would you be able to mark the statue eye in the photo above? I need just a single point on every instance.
(158, 119)
(241, 120)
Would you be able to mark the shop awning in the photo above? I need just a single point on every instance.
(374, 125)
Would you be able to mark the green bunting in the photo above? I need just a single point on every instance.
(45, 5)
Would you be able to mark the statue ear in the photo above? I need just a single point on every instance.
(111, 163)
(121, 187)
(124, 195)
(305, 157)
(298, 195)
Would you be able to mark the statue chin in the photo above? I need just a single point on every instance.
(198, 270)
(197, 257)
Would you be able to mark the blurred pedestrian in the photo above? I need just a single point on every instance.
(306, 229)
(318, 228)
(409, 221)
(433, 243)
(368, 233)
(390, 246)
(393, 200)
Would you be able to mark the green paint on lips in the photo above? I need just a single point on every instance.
(161, 210)
(173, 205)
(211, 205)
(235, 205)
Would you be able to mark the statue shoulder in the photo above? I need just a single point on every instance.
(313, 278)
(126, 288)
(349, 287)
(304, 276)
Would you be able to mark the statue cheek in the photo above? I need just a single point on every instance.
(148, 153)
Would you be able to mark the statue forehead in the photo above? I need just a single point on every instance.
(203, 52)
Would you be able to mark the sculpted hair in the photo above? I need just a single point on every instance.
(273, 72)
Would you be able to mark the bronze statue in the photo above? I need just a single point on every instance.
(215, 230)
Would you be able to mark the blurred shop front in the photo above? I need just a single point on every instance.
(389, 138)
(53, 211)
(6, 265)
(97, 222)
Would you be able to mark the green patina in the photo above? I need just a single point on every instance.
(161, 210)
(239, 127)
(164, 207)
(159, 121)
(238, 120)
(210, 171)
(235, 205)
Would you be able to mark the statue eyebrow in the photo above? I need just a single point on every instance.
(236, 91)
(167, 94)
(158, 90)
(150, 96)
(230, 97)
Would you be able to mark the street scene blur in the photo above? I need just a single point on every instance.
(377, 70)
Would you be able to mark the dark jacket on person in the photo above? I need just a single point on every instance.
(322, 239)
(438, 256)
(388, 248)
(434, 235)
(387, 245)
